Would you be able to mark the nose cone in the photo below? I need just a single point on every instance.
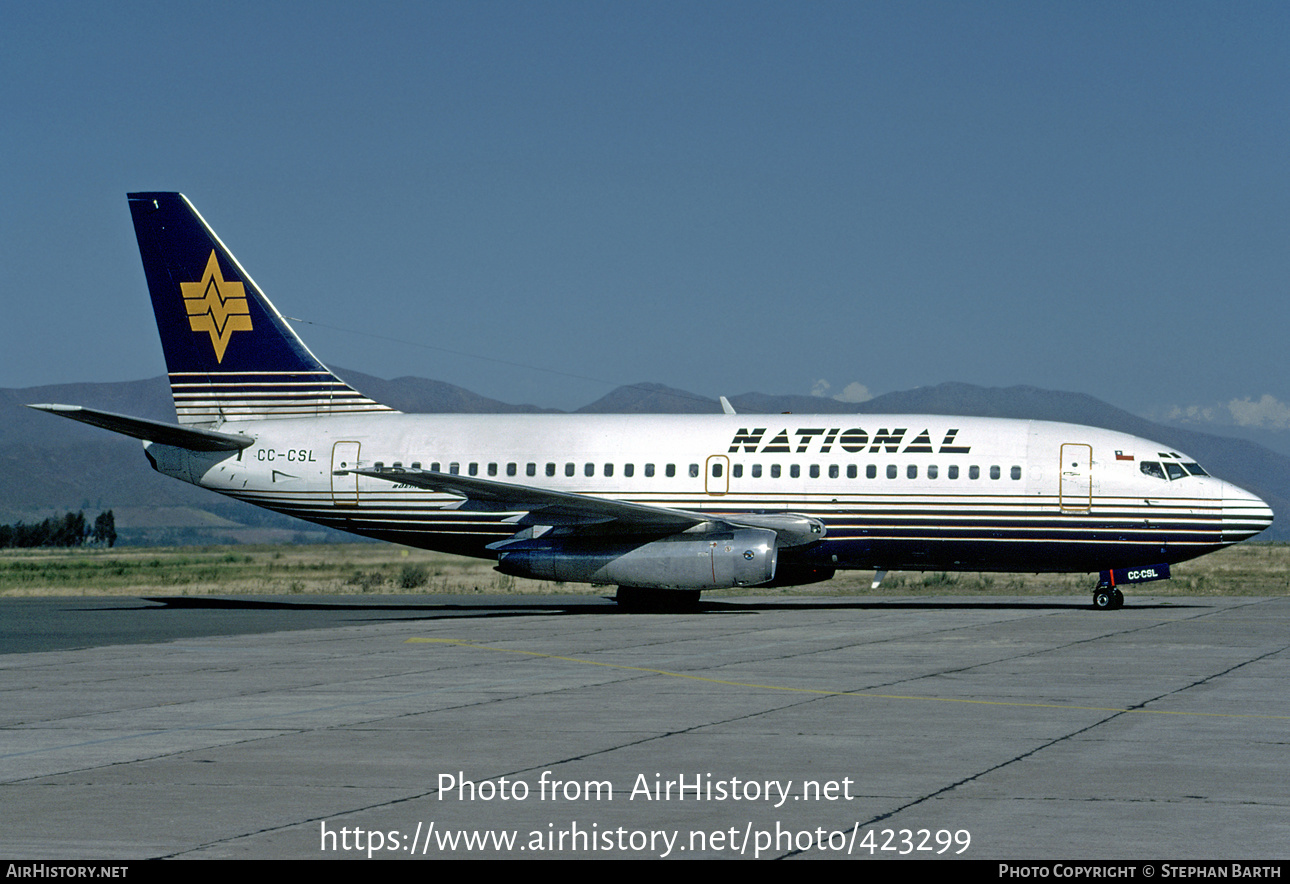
(1244, 514)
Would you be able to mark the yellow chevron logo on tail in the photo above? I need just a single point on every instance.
(216, 306)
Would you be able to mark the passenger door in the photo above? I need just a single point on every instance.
(344, 484)
(1075, 477)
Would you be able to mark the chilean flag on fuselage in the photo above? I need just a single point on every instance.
(229, 353)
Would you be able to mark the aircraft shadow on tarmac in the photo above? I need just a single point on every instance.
(502, 606)
(53, 624)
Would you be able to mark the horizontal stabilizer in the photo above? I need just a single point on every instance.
(191, 438)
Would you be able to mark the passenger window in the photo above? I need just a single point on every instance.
(530, 469)
(492, 469)
(649, 470)
(694, 471)
(815, 471)
(416, 464)
(833, 471)
(609, 469)
(435, 466)
(512, 469)
(871, 471)
(550, 469)
(716, 470)
(1151, 468)
(774, 471)
(569, 469)
(670, 470)
(738, 470)
(795, 471)
(954, 471)
(974, 472)
(911, 472)
(852, 472)
(454, 468)
(629, 470)
(756, 471)
(1016, 473)
(994, 472)
(932, 472)
(891, 471)
(589, 469)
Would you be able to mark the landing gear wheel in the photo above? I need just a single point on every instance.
(1107, 598)
(638, 600)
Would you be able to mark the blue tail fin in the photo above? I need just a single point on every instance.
(230, 354)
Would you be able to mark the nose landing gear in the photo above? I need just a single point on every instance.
(1107, 598)
(1107, 595)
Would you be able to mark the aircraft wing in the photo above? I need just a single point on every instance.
(544, 506)
(192, 438)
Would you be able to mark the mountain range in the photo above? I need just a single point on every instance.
(50, 466)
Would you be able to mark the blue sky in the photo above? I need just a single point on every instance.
(722, 197)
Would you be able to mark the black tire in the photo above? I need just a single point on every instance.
(1103, 599)
(641, 600)
(1117, 599)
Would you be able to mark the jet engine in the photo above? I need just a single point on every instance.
(710, 560)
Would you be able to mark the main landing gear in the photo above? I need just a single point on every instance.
(1107, 597)
(643, 600)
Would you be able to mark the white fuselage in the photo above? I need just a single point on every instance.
(916, 492)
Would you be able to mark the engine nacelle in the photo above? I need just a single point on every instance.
(711, 560)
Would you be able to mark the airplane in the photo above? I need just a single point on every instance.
(662, 506)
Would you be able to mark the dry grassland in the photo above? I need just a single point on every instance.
(357, 568)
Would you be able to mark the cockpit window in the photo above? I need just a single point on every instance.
(1172, 470)
(1151, 468)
